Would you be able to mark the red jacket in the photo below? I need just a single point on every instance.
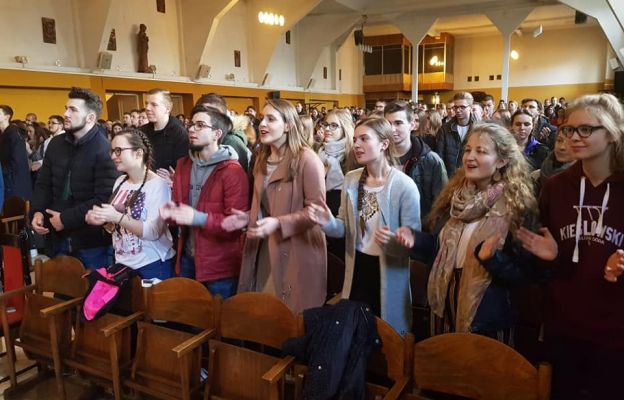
(218, 253)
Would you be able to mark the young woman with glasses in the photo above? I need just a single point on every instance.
(285, 252)
(377, 200)
(141, 239)
(581, 242)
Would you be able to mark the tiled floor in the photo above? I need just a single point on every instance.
(46, 389)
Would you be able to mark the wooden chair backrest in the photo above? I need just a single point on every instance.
(477, 367)
(12, 274)
(182, 300)
(260, 318)
(130, 298)
(61, 275)
(394, 358)
(14, 215)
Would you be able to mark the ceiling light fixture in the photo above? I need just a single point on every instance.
(268, 18)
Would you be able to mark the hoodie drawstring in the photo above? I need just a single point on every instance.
(579, 221)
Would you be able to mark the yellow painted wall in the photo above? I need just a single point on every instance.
(45, 93)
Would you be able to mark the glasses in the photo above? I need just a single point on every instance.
(117, 150)
(200, 125)
(332, 126)
(53, 123)
(582, 130)
(460, 107)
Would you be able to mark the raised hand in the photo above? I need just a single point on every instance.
(237, 220)
(542, 245)
(319, 214)
(264, 227)
(405, 237)
(615, 266)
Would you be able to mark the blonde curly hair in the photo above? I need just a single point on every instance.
(518, 189)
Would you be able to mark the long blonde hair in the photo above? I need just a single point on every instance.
(296, 141)
(608, 110)
(518, 188)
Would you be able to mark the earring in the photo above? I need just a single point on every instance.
(497, 176)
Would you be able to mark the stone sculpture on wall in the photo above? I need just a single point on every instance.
(142, 48)
(48, 26)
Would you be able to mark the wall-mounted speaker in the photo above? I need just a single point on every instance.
(274, 95)
(358, 36)
(202, 71)
(580, 18)
(618, 84)
(105, 60)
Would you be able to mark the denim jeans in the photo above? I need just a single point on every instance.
(92, 258)
(158, 269)
(225, 287)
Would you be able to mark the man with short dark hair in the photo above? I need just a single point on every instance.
(13, 158)
(126, 120)
(543, 130)
(166, 134)
(451, 136)
(417, 159)
(488, 107)
(134, 118)
(208, 183)
(31, 118)
(77, 173)
(380, 105)
(237, 140)
(55, 126)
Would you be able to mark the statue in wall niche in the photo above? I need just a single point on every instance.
(112, 41)
(48, 26)
(160, 6)
(142, 47)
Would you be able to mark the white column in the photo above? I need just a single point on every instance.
(505, 74)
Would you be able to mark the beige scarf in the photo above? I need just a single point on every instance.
(468, 205)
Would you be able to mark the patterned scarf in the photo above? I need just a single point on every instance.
(468, 205)
(332, 154)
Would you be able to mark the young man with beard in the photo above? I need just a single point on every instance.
(13, 157)
(165, 132)
(77, 173)
(417, 159)
(208, 183)
(55, 126)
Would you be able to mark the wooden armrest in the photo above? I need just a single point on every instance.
(61, 307)
(278, 370)
(12, 219)
(397, 389)
(334, 300)
(121, 324)
(17, 292)
(191, 344)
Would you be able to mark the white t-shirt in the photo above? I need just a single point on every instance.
(462, 130)
(156, 243)
(371, 213)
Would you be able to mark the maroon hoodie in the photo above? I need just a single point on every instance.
(588, 225)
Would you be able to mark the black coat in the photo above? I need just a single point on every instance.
(169, 144)
(14, 160)
(76, 175)
(450, 146)
(336, 347)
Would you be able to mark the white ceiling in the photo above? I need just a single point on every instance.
(457, 17)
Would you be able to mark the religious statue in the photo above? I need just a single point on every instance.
(142, 47)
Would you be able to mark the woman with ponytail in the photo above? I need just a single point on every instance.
(376, 201)
(141, 239)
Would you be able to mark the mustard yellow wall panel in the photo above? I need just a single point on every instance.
(43, 102)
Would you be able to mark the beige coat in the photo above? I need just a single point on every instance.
(297, 250)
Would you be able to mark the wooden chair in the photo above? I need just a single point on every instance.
(168, 358)
(477, 367)
(392, 362)
(11, 309)
(45, 329)
(241, 373)
(14, 215)
(101, 349)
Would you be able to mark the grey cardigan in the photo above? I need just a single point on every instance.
(399, 203)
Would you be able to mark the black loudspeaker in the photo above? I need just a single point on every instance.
(274, 95)
(580, 18)
(618, 84)
(358, 36)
